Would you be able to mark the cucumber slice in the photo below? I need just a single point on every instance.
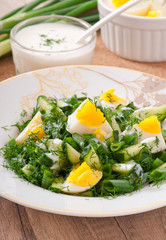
(45, 160)
(47, 179)
(45, 103)
(92, 159)
(159, 112)
(56, 186)
(28, 169)
(115, 125)
(124, 168)
(126, 154)
(111, 119)
(56, 145)
(72, 154)
(62, 104)
(71, 142)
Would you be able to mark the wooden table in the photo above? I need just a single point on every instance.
(19, 223)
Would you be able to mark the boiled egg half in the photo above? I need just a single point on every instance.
(34, 127)
(81, 179)
(109, 99)
(150, 128)
(88, 119)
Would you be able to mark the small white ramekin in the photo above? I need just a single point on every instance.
(28, 59)
(133, 37)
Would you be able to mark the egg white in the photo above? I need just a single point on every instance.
(106, 104)
(55, 146)
(151, 142)
(74, 125)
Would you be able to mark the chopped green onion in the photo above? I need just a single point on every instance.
(117, 186)
(157, 163)
(158, 174)
(107, 170)
(117, 146)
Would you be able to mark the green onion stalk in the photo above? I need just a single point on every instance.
(119, 185)
(72, 8)
(5, 47)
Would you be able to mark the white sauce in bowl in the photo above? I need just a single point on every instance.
(50, 37)
(50, 44)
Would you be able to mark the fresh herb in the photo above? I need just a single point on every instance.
(6, 128)
(50, 41)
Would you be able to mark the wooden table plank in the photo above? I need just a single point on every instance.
(72, 228)
(10, 222)
(149, 226)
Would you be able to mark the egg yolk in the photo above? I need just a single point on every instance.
(150, 125)
(119, 3)
(35, 127)
(38, 131)
(89, 115)
(99, 134)
(84, 176)
(109, 96)
(153, 13)
(36, 120)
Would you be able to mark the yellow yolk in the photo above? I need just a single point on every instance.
(153, 13)
(84, 176)
(99, 134)
(36, 120)
(150, 125)
(89, 115)
(109, 96)
(35, 127)
(38, 131)
(119, 3)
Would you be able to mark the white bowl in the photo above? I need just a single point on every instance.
(28, 58)
(133, 37)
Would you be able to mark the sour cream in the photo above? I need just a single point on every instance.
(50, 44)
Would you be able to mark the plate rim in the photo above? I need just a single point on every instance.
(80, 66)
(76, 213)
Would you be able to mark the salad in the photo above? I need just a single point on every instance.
(90, 147)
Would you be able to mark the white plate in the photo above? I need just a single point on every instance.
(20, 93)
